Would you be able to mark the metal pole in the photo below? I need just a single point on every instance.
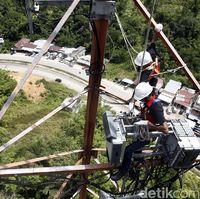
(37, 58)
(168, 44)
(98, 48)
(29, 14)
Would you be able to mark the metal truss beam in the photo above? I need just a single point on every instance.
(55, 170)
(69, 169)
(100, 28)
(37, 58)
(168, 44)
(58, 2)
(49, 157)
(64, 184)
(35, 160)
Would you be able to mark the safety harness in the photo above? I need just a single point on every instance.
(145, 110)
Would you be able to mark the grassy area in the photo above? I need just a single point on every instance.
(23, 113)
(118, 70)
(62, 132)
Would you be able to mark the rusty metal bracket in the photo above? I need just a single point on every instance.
(102, 10)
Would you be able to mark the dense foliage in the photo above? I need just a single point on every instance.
(7, 84)
(64, 132)
(180, 19)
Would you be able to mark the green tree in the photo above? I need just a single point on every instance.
(7, 84)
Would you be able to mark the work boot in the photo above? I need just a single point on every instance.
(117, 176)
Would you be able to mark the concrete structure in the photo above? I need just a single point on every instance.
(184, 97)
(64, 54)
(194, 111)
(54, 49)
(196, 105)
(80, 51)
(169, 92)
(84, 60)
(19, 45)
(29, 47)
(127, 83)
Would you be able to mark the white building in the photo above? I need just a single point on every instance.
(169, 92)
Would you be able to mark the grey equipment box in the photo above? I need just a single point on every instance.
(182, 146)
(104, 195)
(115, 138)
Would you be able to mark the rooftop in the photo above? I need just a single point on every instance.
(21, 43)
(184, 97)
(170, 90)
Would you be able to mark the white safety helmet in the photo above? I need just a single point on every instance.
(142, 90)
(147, 59)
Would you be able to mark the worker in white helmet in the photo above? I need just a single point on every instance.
(148, 68)
(147, 61)
(152, 112)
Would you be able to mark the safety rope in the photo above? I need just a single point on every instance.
(38, 57)
(126, 41)
(174, 70)
(146, 39)
(113, 46)
(145, 47)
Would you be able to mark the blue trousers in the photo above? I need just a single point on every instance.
(129, 150)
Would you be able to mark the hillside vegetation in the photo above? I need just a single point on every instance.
(181, 21)
(64, 131)
(61, 133)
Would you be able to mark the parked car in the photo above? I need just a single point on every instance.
(117, 80)
(126, 83)
(58, 80)
(12, 51)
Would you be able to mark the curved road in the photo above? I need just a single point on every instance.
(72, 77)
(47, 73)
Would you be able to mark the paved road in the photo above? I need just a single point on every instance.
(49, 74)
(72, 77)
(75, 71)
